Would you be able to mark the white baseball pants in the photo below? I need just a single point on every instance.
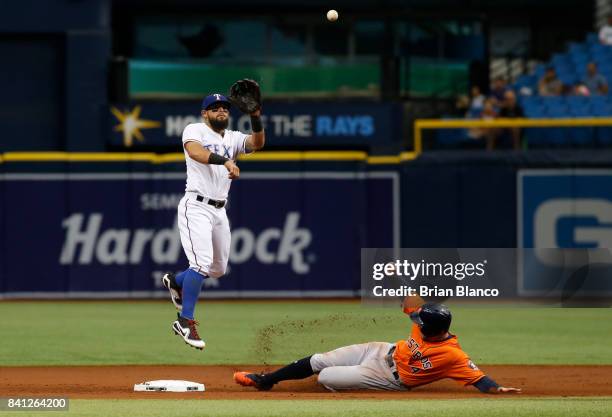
(362, 366)
(205, 235)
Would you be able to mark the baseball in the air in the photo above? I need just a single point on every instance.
(332, 15)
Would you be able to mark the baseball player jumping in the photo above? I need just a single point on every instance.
(210, 153)
(430, 353)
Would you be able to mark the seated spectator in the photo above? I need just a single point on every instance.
(511, 109)
(488, 113)
(477, 101)
(581, 90)
(498, 90)
(605, 33)
(594, 81)
(462, 106)
(549, 84)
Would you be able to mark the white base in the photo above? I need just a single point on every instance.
(169, 385)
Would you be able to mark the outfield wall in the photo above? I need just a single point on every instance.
(100, 225)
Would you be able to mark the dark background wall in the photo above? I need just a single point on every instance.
(55, 54)
(54, 57)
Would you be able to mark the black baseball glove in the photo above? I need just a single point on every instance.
(246, 95)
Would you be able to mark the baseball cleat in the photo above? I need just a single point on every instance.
(187, 329)
(247, 379)
(176, 292)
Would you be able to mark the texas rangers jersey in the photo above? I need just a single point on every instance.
(211, 181)
(421, 362)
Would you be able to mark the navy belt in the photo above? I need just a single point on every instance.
(391, 363)
(214, 203)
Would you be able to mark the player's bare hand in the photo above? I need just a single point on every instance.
(508, 390)
(232, 168)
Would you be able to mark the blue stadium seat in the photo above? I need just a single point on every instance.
(561, 59)
(602, 111)
(525, 81)
(568, 78)
(598, 48)
(539, 71)
(607, 74)
(581, 69)
(592, 38)
(605, 66)
(580, 56)
(580, 110)
(575, 47)
(602, 59)
(598, 101)
(555, 104)
(565, 68)
(530, 100)
(577, 101)
(534, 111)
(602, 55)
(557, 111)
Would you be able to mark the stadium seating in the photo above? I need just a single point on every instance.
(570, 67)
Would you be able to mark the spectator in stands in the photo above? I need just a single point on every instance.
(498, 90)
(594, 81)
(549, 84)
(511, 109)
(581, 90)
(462, 105)
(489, 134)
(605, 33)
(477, 101)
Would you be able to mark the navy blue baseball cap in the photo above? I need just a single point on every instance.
(213, 99)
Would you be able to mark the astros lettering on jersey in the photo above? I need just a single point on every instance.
(420, 362)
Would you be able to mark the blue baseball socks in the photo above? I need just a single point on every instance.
(191, 282)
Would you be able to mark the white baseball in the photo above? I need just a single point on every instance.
(332, 15)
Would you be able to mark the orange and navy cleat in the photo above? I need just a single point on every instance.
(247, 379)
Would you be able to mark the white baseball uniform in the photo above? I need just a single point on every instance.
(204, 228)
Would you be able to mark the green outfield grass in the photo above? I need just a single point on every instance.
(556, 407)
(98, 333)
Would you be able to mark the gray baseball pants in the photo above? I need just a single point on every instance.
(363, 366)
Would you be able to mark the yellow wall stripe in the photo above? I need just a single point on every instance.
(76, 157)
(421, 124)
(268, 156)
(307, 156)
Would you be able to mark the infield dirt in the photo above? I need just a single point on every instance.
(117, 382)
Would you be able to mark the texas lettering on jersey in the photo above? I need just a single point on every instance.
(223, 150)
(211, 181)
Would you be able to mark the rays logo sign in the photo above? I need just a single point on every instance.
(130, 124)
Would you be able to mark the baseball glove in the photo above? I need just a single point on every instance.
(246, 95)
